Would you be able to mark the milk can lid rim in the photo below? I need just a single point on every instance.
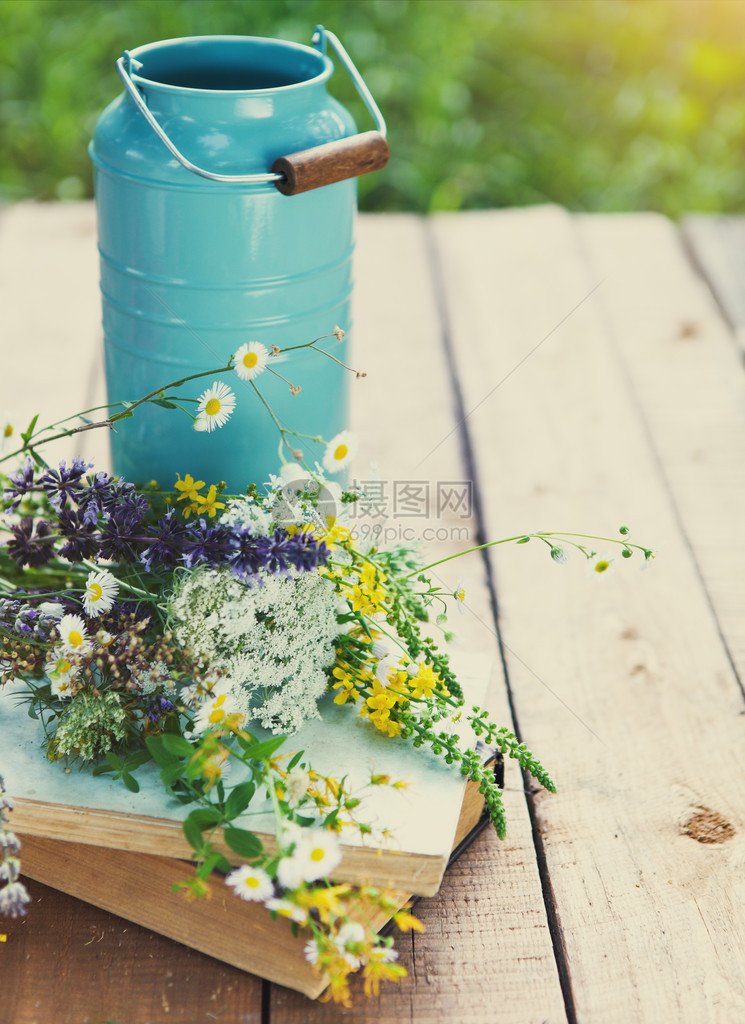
(265, 42)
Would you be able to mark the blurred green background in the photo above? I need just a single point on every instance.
(594, 104)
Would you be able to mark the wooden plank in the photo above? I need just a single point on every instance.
(717, 244)
(50, 318)
(688, 379)
(487, 951)
(70, 963)
(620, 682)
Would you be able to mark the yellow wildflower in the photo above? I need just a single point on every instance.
(425, 681)
(209, 504)
(324, 899)
(189, 486)
(377, 969)
(406, 922)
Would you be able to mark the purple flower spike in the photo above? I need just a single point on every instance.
(29, 546)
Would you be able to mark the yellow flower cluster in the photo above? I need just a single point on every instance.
(382, 698)
(348, 943)
(198, 503)
(367, 596)
(378, 706)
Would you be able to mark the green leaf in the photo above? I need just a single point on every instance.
(137, 759)
(131, 783)
(102, 769)
(214, 861)
(173, 770)
(163, 403)
(158, 752)
(27, 434)
(114, 761)
(205, 817)
(295, 760)
(245, 741)
(193, 834)
(239, 799)
(523, 540)
(243, 842)
(263, 751)
(177, 745)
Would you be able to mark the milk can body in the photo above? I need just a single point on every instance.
(193, 268)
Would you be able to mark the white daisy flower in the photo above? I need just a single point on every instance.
(100, 590)
(61, 687)
(250, 360)
(251, 883)
(311, 951)
(8, 432)
(383, 954)
(290, 834)
(350, 933)
(61, 674)
(317, 854)
(601, 565)
(215, 407)
(216, 708)
(72, 634)
(297, 785)
(286, 909)
(339, 451)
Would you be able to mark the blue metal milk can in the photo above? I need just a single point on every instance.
(226, 200)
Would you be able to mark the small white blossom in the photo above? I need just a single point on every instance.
(314, 857)
(215, 407)
(214, 710)
(284, 908)
(339, 451)
(297, 785)
(73, 637)
(350, 933)
(251, 883)
(101, 589)
(559, 554)
(383, 954)
(311, 951)
(250, 360)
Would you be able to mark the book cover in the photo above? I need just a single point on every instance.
(68, 804)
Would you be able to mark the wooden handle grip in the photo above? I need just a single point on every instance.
(334, 161)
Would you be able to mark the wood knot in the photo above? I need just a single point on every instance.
(689, 329)
(707, 826)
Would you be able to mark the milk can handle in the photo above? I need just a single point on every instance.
(306, 169)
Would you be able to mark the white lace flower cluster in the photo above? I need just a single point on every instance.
(271, 644)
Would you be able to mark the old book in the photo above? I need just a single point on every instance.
(137, 886)
(55, 803)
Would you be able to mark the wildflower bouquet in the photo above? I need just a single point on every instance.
(163, 623)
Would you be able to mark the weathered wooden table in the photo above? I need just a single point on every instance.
(579, 370)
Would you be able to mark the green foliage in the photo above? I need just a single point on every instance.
(594, 104)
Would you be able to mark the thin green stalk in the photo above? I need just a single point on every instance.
(129, 407)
